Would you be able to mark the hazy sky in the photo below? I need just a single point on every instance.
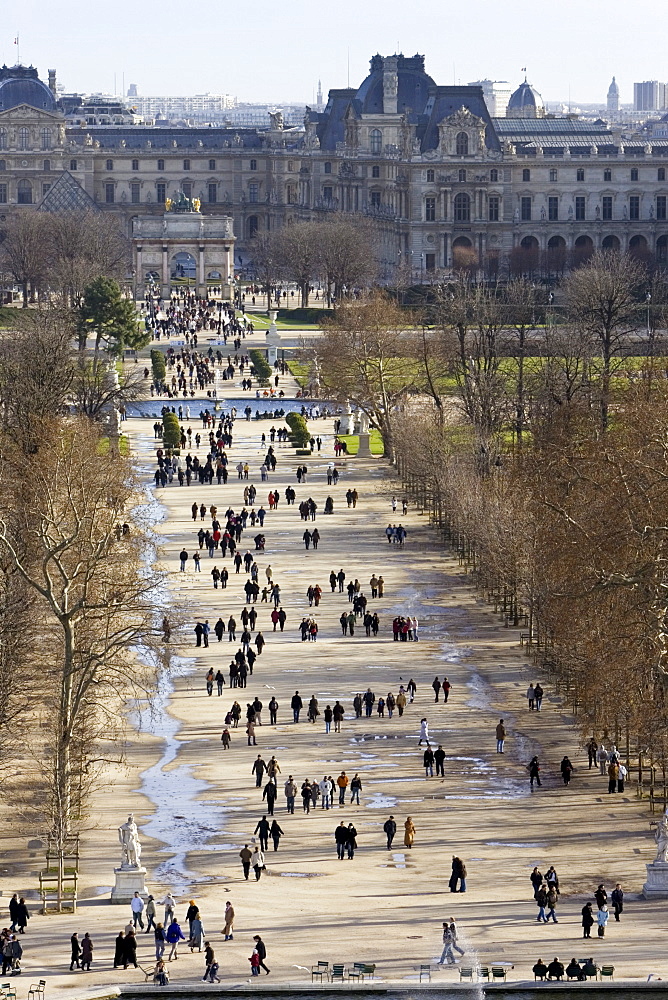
(276, 51)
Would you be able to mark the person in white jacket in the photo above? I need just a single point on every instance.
(169, 904)
(325, 789)
(257, 862)
(424, 731)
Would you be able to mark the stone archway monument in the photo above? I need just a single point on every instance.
(183, 247)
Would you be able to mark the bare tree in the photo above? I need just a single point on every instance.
(64, 542)
(298, 247)
(602, 297)
(346, 254)
(83, 246)
(364, 361)
(23, 251)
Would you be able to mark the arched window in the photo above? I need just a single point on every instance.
(24, 191)
(462, 144)
(375, 140)
(526, 175)
(45, 138)
(24, 138)
(462, 206)
(47, 166)
(161, 165)
(462, 175)
(3, 138)
(494, 175)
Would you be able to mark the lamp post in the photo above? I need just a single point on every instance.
(648, 301)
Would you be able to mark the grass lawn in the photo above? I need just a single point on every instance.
(8, 315)
(260, 321)
(353, 442)
(299, 371)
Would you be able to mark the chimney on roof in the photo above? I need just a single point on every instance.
(390, 85)
(52, 81)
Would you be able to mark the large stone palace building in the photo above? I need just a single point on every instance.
(444, 180)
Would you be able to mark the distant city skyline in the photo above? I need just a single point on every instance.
(271, 57)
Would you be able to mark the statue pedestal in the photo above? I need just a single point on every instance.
(128, 882)
(273, 339)
(364, 450)
(656, 886)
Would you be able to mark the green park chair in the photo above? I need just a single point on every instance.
(498, 972)
(319, 971)
(425, 973)
(483, 973)
(357, 971)
(337, 973)
(466, 975)
(607, 972)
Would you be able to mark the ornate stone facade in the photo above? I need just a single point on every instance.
(444, 181)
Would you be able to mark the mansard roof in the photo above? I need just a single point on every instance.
(137, 137)
(21, 85)
(446, 101)
(412, 86)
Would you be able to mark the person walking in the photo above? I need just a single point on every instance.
(458, 876)
(351, 841)
(390, 830)
(130, 950)
(409, 832)
(439, 760)
(160, 939)
(228, 929)
(75, 957)
(340, 837)
(262, 829)
(275, 833)
(531, 697)
(261, 951)
(296, 705)
(137, 907)
(342, 782)
(149, 910)
(424, 732)
(566, 770)
(541, 903)
(617, 900)
(602, 919)
(533, 768)
(446, 955)
(552, 899)
(290, 794)
(174, 935)
(428, 762)
(587, 920)
(257, 863)
(246, 854)
(436, 684)
(86, 952)
(500, 736)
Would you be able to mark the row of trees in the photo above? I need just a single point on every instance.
(338, 251)
(544, 456)
(61, 254)
(77, 599)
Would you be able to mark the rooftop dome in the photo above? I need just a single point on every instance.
(412, 85)
(613, 89)
(21, 85)
(525, 103)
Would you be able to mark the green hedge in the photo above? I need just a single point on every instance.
(311, 314)
(171, 431)
(299, 432)
(158, 366)
(261, 367)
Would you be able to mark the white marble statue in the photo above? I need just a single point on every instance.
(128, 836)
(661, 837)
